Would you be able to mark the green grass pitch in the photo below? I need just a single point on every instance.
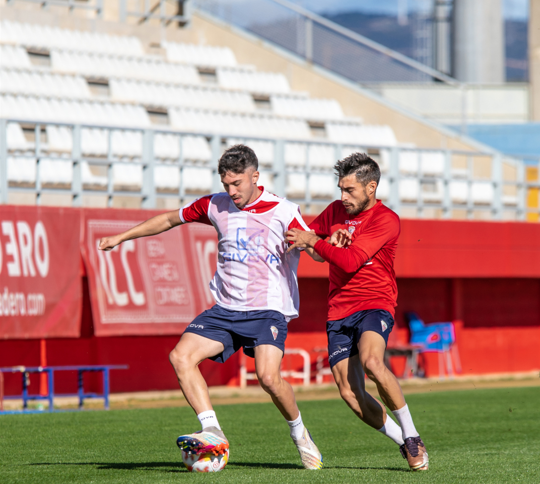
(478, 436)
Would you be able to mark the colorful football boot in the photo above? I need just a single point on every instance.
(415, 452)
(211, 439)
(309, 453)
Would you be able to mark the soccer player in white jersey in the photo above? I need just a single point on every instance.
(256, 292)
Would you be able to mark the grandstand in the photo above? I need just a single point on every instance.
(96, 117)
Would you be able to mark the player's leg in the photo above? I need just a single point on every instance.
(208, 336)
(349, 376)
(267, 366)
(185, 358)
(371, 349)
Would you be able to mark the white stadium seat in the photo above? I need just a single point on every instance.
(175, 95)
(320, 156)
(14, 56)
(432, 163)
(44, 36)
(199, 55)
(409, 190)
(307, 108)
(383, 190)
(482, 193)
(55, 171)
(194, 148)
(263, 149)
(15, 138)
(252, 81)
(198, 180)
(42, 83)
(70, 110)
(360, 134)
(408, 162)
(459, 191)
(194, 120)
(21, 170)
(102, 65)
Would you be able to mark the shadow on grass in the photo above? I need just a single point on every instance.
(129, 466)
(178, 467)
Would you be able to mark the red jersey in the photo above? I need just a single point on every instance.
(362, 275)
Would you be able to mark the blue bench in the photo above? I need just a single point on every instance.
(49, 371)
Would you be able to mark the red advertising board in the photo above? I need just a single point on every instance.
(40, 282)
(153, 285)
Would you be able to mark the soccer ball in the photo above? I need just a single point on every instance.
(205, 462)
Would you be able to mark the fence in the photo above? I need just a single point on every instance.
(141, 10)
(153, 163)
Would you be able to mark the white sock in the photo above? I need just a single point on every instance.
(405, 421)
(208, 419)
(297, 427)
(392, 430)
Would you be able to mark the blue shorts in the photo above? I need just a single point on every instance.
(237, 329)
(344, 334)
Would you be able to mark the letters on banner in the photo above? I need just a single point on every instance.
(152, 285)
(40, 281)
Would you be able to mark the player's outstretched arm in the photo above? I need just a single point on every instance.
(153, 226)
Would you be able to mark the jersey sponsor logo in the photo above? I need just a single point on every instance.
(196, 326)
(337, 352)
(250, 245)
(353, 222)
(250, 240)
(384, 325)
(274, 332)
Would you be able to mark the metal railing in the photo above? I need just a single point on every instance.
(327, 44)
(95, 6)
(414, 189)
(145, 10)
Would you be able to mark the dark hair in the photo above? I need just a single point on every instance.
(361, 165)
(237, 159)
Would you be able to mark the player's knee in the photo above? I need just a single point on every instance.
(179, 359)
(269, 382)
(374, 367)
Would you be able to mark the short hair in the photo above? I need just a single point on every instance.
(237, 159)
(361, 165)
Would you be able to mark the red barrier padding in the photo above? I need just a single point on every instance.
(148, 286)
(40, 282)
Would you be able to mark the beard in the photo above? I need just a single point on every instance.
(356, 209)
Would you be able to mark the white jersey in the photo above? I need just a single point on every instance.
(254, 272)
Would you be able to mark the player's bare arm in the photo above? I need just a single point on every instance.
(153, 226)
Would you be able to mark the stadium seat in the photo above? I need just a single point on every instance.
(408, 162)
(482, 193)
(432, 163)
(252, 81)
(409, 190)
(14, 56)
(432, 191)
(320, 156)
(127, 176)
(44, 36)
(167, 178)
(15, 138)
(459, 191)
(42, 83)
(197, 180)
(21, 171)
(199, 55)
(247, 124)
(304, 107)
(263, 149)
(55, 172)
(103, 65)
(151, 93)
(194, 148)
(383, 190)
(363, 135)
(73, 110)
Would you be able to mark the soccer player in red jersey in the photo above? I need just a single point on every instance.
(362, 298)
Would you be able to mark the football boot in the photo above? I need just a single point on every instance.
(211, 439)
(309, 453)
(415, 452)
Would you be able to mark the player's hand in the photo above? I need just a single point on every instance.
(300, 239)
(109, 243)
(340, 238)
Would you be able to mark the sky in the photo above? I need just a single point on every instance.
(513, 9)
